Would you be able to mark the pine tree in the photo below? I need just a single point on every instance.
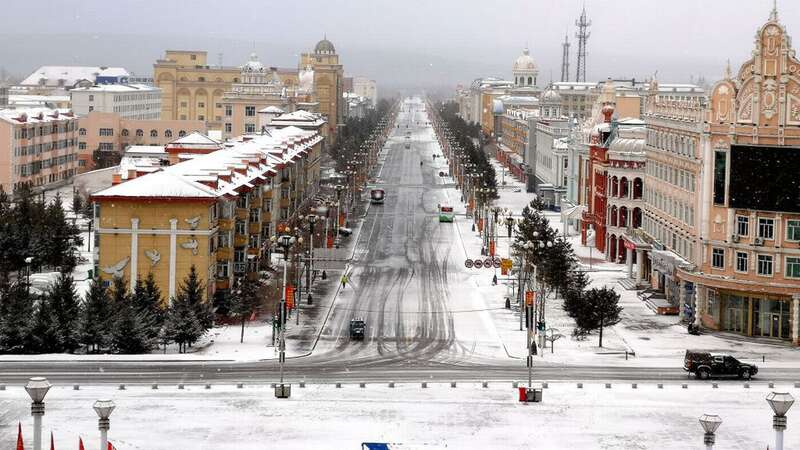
(131, 334)
(9, 245)
(577, 282)
(67, 310)
(600, 309)
(61, 237)
(96, 317)
(16, 319)
(182, 325)
(556, 264)
(45, 337)
(192, 289)
(146, 308)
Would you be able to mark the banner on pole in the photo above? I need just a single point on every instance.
(290, 296)
(491, 249)
(530, 298)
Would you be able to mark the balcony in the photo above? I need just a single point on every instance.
(223, 283)
(268, 194)
(225, 224)
(240, 240)
(224, 253)
(242, 213)
(253, 251)
(254, 228)
(284, 203)
(266, 217)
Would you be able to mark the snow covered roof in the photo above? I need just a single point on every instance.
(71, 75)
(272, 110)
(195, 138)
(121, 88)
(145, 149)
(299, 118)
(35, 115)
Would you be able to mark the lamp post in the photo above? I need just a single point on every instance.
(339, 188)
(37, 388)
(104, 408)
(28, 262)
(710, 423)
(286, 242)
(780, 402)
(311, 219)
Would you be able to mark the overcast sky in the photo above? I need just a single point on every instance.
(400, 43)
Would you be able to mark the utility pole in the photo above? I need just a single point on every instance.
(583, 24)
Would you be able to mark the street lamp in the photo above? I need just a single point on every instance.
(104, 408)
(710, 423)
(780, 402)
(28, 262)
(311, 219)
(286, 242)
(37, 388)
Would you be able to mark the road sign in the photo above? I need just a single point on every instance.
(488, 263)
(498, 263)
(468, 263)
(478, 264)
(506, 263)
(530, 298)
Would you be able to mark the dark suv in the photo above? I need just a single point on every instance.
(705, 365)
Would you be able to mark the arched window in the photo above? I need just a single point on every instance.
(530, 81)
(153, 133)
(637, 188)
(614, 216)
(623, 187)
(125, 132)
(614, 186)
(181, 133)
(167, 133)
(139, 133)
(623, 216)
(82, 132)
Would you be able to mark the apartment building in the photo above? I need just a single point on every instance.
(129, 101)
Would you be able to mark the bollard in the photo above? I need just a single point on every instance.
(302, 384)
(452, 384)
(391, 384)
(180, 386)
(239, 385)
(362, 385)
(747, 385)
(208, 385)
(2, 387)
(771, 385)
(154, 386)
(544, 385)
(424, 385)
(634, 386)
(485, 384)
(121, 387)
(626, 355)
(660, 386)
(608, 385)
(273, 385)
(684, 386)
(338, 385)
(715, 385)
(76, 388)
(580, 385)
(797, 385)
(763, 358)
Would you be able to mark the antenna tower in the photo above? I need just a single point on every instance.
(583, 24)
(565, 59)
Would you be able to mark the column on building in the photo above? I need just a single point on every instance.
(134, 252)
(639, 265)
(796, 319)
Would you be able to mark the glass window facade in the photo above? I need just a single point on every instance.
(756, 316)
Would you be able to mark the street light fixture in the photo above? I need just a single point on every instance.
(710, 423)
(285, 241)
(37, 388)
(780, 402)
(104, 408)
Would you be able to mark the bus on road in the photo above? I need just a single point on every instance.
(446, 213)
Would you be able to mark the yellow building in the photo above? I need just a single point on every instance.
(191, 89)
(214, 211)
(328, 76)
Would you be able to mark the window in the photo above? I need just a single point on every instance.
(240, 227)
(139, 133)
(91, 98)
(223, 269)
(228, 127)
(742, 225)
(720, 165)
(201, 117)
(154, 133)
(167, 133)
(181, 133)
(718, 258)
(91, 108)
(81, 132)
(241, 201)
(125, 132)
(201, 79)
(766, 228)
(193, 57)
(255, 215)
(106, 146)
(765, 265)
(253, 241)
(201, 104)
(250, 111)
(741, 262)
(249, 128)
(81, 145)
(793, 230)
(792, 267)
(228, 110)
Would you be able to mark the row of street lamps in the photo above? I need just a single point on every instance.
(37, 388)
(780, 402)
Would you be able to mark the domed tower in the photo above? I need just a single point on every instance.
(322, 70)
(551, 104)
(325, 47)
(253, 71)
(524, 70)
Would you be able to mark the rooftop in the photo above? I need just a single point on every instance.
(121, 88)
(35, 115)
(69, 74)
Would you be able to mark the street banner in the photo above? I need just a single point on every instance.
(341, 219)
(20, 446)
(503, 270)
(506, 263)
(330, 241)
(290, 296)
(480, 225)
(530, 298)
(491, 248)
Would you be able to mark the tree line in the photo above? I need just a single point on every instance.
(558, 271)
(465, 135)
(356, 132)
(108, 320)
(31, 227)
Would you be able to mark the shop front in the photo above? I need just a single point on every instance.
(663, 265)
(750, 314)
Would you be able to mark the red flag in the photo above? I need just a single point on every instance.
(52, 444)
(253, 316)
(80, 444)
(111, 447)
(19, 438)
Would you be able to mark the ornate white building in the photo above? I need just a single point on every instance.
(525, 71)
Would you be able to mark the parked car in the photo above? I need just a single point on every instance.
(705, 365)
(345, 231)
(357, 328)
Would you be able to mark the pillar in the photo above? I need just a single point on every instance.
(134, 252)
(681, 299)
(701, 303)
(796, 319)
(639, 265)
(173, 250)
(629, 261)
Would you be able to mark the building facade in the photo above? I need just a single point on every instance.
(129, 101)
(364, 87)
(328, 76)
(748, 279)
(38, 148)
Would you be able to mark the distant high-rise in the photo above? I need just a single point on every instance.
(583, 24)
(565, 59)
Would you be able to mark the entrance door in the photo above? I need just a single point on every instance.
(775, 328)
